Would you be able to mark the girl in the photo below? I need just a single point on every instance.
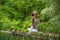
(34, 22)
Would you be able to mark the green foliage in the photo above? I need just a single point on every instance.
(16, 14)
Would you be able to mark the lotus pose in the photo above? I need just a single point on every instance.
(34, 22)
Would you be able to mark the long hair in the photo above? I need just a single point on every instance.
(34, 13)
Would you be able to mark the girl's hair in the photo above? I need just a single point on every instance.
(32, 14)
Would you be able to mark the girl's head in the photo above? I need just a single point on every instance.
(34, 13)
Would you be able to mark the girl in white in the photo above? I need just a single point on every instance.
(34, 22)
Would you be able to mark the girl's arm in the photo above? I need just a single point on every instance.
(33, 21)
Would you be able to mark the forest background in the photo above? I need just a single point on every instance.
(16, 15)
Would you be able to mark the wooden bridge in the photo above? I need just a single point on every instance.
(35, 35)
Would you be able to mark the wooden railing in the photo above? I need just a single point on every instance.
(34, 36)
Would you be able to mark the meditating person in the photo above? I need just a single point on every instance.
(34, 22)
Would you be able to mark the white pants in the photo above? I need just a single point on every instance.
(32, 29)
